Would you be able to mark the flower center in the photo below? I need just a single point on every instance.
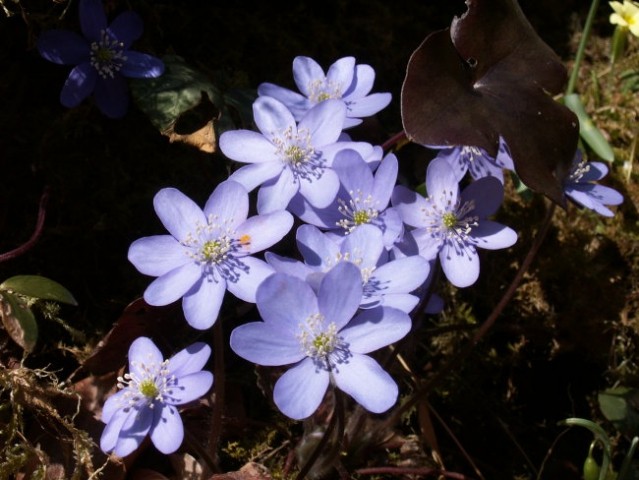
(298, 153)
(321, 90)
(358, 211)
(578, 171)
(217, 248)
(322, 343)
(107, 55)
(153, 383)
(450, 221)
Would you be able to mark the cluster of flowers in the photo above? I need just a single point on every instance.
(367, 245)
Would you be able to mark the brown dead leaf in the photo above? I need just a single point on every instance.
(250, 471)
(202, 139)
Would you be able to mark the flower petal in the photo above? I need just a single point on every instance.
(276, 193)
(141, 65)
(230, 203)
(80, 83)
(201, 304)
(354, 173)
(320, 192)
(492, 235)
(364, 246)
(157, 254)
(112, 405)
(191, 387)
(296, 103)
(306, 72)
(173, 285)
(341, 73)
(266, 344)
(385, 180)
(245, 285)
(428, 244)
(340, 293)
(262, 231)
(112, 96)
(127, 28)
(324, 122)
(111, 433)
(316, 248)
(369, 105)
(460, 264)
(178, 213)
(254, 175)
(143, 352)
(272, 117)
(441, 182)
(190, 359)
(286, 265)
(247, 146)
(364, 380)
(300, 390)
(63, 47)
(410, 205)
(167, 431)
(285, 301)
(375, 328)
(402, 275)
(486, 193)
(134, 429)
(93, 20)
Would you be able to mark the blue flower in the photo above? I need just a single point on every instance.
(149, 393)
(384, 281)
(477, 161)
(344, 81)
(207, 251)
(579, 186)
(102, 58)
(450, 224)
(324, 339)
(286, 157)
(363, 198)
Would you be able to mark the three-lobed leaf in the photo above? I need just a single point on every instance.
(490, 75)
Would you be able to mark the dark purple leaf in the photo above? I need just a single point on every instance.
(487, 76)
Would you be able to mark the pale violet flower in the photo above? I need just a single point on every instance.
(102, 58)
(452, 225)
(344, 81)
(477, 161)
(149, 394)
(285, 157)
(385, 282)
(363, 198)
(324, 338)
(207, 251)
(579, 186)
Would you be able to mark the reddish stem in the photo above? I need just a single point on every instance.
(26, 246)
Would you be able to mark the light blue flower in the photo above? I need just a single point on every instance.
(207, 251)
(452, 225)
(385, 282)
(579, 186)
(148, 396)
(363, 198)
(344, 81)
(285, 157)
(477, 161)
(102, 58)
(324, 339)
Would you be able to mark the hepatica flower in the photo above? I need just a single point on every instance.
(385, 282)
(344, 81)
(580, 187)
(477, 161)
(285, 157)
(101, 57)
(363, 198)
(148, 397)
(324, 339)
(452, 225)
(207, 252)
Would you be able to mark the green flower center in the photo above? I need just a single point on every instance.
(361, 217)
(449, 220)
(215, 250)
(296, 154)
(148, 388)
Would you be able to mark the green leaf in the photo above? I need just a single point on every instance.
(19, 321)
(588, 131)
(38, 287)
(619, 405)
(178, 90)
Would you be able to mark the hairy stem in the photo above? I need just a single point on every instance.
(218, 392)
(574, 74)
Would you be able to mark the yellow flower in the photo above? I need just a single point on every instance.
(626, 15)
